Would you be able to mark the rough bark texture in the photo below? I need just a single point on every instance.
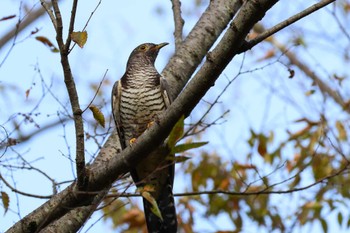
(111, 163)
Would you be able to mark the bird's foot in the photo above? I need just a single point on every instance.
(132, 141)
(150, 124)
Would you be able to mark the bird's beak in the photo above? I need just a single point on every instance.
(161, 45)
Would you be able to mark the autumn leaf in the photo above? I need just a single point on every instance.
(80, 38)
(181, 159)
(7, 17)
(48, 43)
(177, 132)
(155, 210)
(262, 146)
(27, 93)
(310, 92)
(342, 135)
(187, 146)
(98, 115)
(5, 201)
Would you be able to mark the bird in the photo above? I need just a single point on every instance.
(138, 99)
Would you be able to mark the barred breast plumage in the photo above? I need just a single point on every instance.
(141, 101)
(137, 99)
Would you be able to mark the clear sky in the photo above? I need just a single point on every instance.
(116, 28)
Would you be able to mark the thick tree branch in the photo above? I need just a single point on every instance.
(74, 219)
(178, 22)
(193, 49)
(60, 204)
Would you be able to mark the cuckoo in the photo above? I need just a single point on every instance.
(138, 98)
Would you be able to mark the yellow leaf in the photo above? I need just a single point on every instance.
(48, 43)
(80, 38)
(155, 210)
(341, 131)
(98, 115)
(176, 133)
(5, 200)
(310, 92)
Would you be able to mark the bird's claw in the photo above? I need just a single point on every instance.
(132, 141)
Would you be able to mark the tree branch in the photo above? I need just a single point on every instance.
(193, 49)
(178, 21)
(284, 24)
(71, 25)
(28, 20)
(72, 93)
(324, 88)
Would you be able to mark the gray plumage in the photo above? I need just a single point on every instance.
(137, 99)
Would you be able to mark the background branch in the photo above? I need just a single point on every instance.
(266, 33)
(178, 22)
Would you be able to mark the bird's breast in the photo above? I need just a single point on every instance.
(138, 107)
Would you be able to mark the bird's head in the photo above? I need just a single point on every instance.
(145, 53)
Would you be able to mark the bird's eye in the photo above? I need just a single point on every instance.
(143, 47)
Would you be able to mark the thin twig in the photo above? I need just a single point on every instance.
(71, 25)
(25, 22)
(47, 6)
(13, 189)
(87, 22)
(178, 21)
(98, 89)
(248, 45)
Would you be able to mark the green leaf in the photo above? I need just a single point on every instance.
(98, 115)
(155, 210)
(340, 218)
(324, 225)
(176, 132)
(181, 159)
(5, 201)
(187, 146)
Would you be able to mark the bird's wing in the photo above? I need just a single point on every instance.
(164, 88)
(115, 102)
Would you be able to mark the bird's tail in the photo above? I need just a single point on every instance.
(166, 207)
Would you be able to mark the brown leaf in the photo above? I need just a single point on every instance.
(48, 43)
(7, 17)
(27, 93)
(5, 201)
(291, 73)
(134, 217)
(80, 38)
